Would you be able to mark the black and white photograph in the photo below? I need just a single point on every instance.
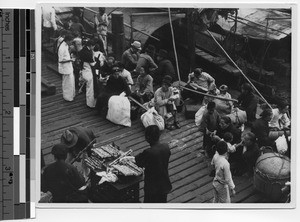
(164, 105)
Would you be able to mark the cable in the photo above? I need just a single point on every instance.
(239, 69)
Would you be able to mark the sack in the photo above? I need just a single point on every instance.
(119, 110)
(238, 116)
(151, 117)
(198, 115)
(281, 144)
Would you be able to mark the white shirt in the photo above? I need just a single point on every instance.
(223, 174)
(48, 14)
(64, 55)
(127, 76)
(284, 119)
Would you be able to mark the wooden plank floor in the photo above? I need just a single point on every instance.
(188, 172)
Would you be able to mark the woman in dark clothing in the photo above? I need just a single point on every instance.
(115, 86)
(248, 102)
(225, 125)
(62, 179)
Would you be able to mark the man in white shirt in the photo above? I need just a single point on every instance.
(222, 182)
(49, 22)
(125, 74)
(65, 67)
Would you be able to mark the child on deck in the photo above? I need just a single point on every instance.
(223, 179)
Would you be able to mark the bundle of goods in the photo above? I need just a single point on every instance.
(128, 169)
(93, 162)
(107, 151)
(272, 171)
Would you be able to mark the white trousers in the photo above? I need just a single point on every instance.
(68, 86)
(88, 77)
(221, 193)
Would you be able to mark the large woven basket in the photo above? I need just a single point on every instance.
(272, 171)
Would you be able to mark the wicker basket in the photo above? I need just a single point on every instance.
(272, 171)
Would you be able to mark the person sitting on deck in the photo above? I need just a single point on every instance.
(131, 56)
(62, 179)
(101, 37)
(76, 139)
(166, 98)
(88, 71)
(115, 86)
(165, 67)
(76, 26)
(147, 61)
(223, 107)
(280, 121)
(208, 126)
(248, 102)
(199, 81)
(107, 69)
(155, 160)
(222, 182)
(125, 74)
(144, 87)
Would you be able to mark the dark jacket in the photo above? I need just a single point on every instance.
(61, 179)
(250, 157)
(86, 55)
(85, 136)
(248, 102)
(209, 121)
(115, 86)
(156, 162)
(236, 133)
(165, 67)
(260, 128)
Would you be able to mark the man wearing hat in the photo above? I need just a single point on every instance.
(131, 56)
(166, 98)
(223, 107)
(62, 179)
(146, 60)
(86, 55)
(165, 67)
(115, 86)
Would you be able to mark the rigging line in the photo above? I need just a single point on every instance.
(174, 46)
(239, 69)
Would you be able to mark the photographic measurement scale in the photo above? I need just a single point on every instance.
(17, 75)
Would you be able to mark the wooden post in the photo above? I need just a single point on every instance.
(118, 34)
(190, 39)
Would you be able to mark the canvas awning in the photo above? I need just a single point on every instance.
(269, 24)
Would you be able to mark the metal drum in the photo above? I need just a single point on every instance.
(272, 171)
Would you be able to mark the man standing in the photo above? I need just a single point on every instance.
(49, 23)
(65, 67)
(155, 160)
(131, 56)
(101, 37)
(87, 57)
(146, 60)
(165, 67)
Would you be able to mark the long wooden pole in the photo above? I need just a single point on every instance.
(209, 95)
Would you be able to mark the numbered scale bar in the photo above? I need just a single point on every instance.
(18, 69)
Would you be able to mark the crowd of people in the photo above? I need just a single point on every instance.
(87, 65)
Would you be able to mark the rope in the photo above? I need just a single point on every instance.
(138, 103)
(174, 46)
(209, 95)
(239, 69)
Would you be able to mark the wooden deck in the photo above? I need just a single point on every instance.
(188, 172)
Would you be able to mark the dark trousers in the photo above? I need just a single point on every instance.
(157, 197)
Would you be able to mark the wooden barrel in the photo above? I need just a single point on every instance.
(272, 171)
